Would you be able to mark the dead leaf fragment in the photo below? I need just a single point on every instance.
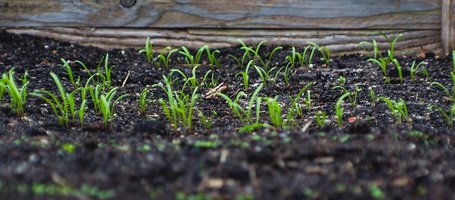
(222, 87)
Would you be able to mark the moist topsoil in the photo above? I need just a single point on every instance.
(142, 156)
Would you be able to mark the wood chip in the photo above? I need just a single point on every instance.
(222, 87)
(324, 160)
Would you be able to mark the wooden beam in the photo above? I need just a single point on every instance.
(447, 26)
(338, 41)
(290, 14)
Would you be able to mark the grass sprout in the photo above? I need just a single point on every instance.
(265, 74)
(179, 106)
(372, 95)
(339, 109)
(244, 115)
(320, 117)
(351, 95)
(295, 109)
(69, 71)
(163, 59)
(418, 68)
(18, 96)
(399, 69)
(245, 76)
(143, 101)
(249, 51)
(63, 104)
(398, 109)
(447, 115)
(449, 93)
(274, 109)
(325, 52)
(148, 50)
(107, 103)
(373, 45)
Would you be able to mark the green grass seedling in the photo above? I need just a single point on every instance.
(251, 50)
(382, 63)
(447, 115)
(372, 95)
(270, 56)
(66, 66)
(293, 57)
(399, 69)
(296, 107)
(148, 50)
(63, 104)
(323, 50)
(418, 68)
(213, 60)
(245, 76)
(392, 45)
(449, 93)
(274, 109)
(320, 118)
(179, 106)
(264, 74)
(339, 109)
(107, 104)
(17, 95)
(373, 45)
(163, 59)
(244, 115)
(143, 101)
(2, 90)
(398, 109)
(352, 95)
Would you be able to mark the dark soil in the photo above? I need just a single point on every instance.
(140, 156)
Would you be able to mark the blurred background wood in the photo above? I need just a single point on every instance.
(339, 24)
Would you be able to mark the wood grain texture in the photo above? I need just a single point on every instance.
(447, 25)
(291, 14)
(337, 41)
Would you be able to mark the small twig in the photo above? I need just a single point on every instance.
(126, 78)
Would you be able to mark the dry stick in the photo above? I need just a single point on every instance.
(126, 78)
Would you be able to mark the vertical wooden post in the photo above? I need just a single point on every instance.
(447, 26)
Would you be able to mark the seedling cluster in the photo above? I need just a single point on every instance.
(95, 93)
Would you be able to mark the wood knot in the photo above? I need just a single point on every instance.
(127, 3)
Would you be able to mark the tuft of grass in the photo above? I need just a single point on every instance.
(450, 93)
(399, 69)
(179, 106)
(143, 101)
(18, 96)
(265, 74)
(245, 76)
(372, 95)
(106, 103)
(251, 54)
(447, 115)
(63, 104)
(320, 117)
(163, 59)
(148, 50)
(339, 110)
(325, 52)
(295, 109)
(66, 66)
(274, 110)
(398, 109)
(244, 115)
(351, 95)
(418, 68)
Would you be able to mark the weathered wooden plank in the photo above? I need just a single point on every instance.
(308, 14)
(338, 41)
(447, 25)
